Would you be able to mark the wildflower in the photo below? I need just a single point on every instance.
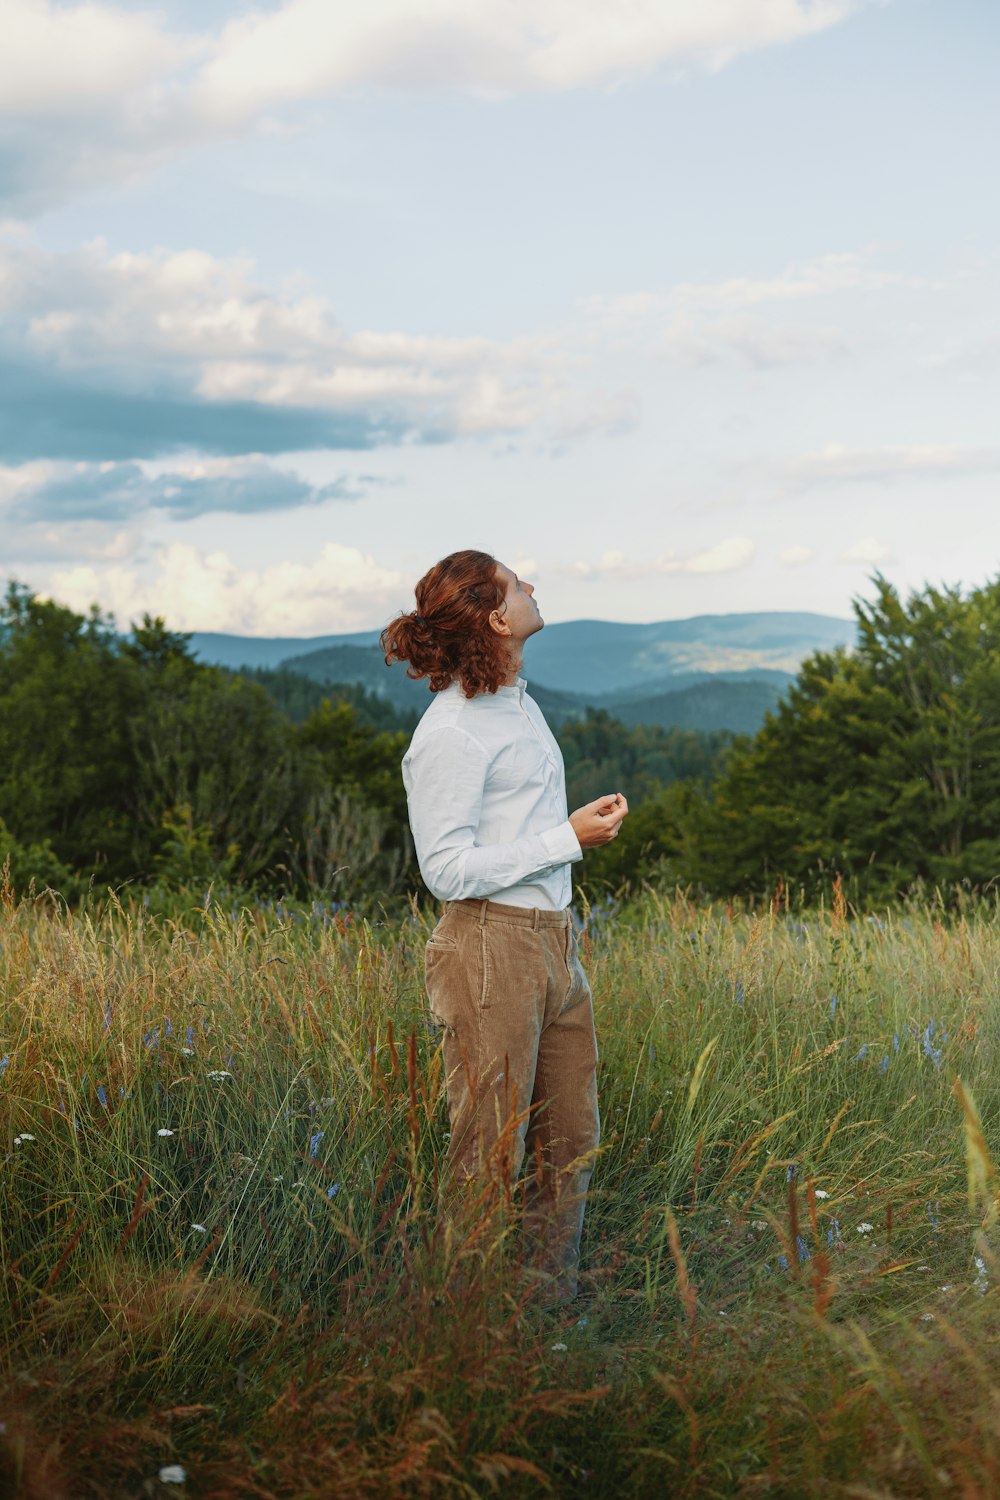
(582, 1322)
(24, 1136)
(652, 1053)
(833, 1237)
(822, 1193)
(152, 1039)
(932, 1214)
(188, 1051)
(981, 1282)
(783, 1262)
(863, 1053)
(883, 1066)
(792, 1172)
(164, 1131)
(558, 1348)
(172, 1474)
(333, 1190)
(200, 1228)
(865, 1228)
(189, 1035)
(946, 1288)
(4, 1061)
(895, 1041)
(923, 1268)
(802, 1248)
(758, 1224)
(927, 1318)
(101, 1095)
(927, 1047)
(833, 1006)
(314, 1141)
(739, 992)
(220, 1073)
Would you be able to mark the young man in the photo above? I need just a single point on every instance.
(486, 790)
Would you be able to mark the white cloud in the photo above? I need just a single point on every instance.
(699, 323)
(341, 590)
(870, 550)
(96, 92)
(837, 464)
(725, 556)
(174, 342)
(794, 557)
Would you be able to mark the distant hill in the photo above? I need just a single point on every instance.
(708, 672)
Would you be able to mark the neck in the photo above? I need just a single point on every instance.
(515, 656)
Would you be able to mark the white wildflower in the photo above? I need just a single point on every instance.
(923, 1268)
(865, 1228)
(188, 1051)
(172, 1474)
(558, 1348)
(981, 1283)
(927, 1318)
(200, 1228)
(759, 1224)
(822, 1193)
(220, 1073)
(164, 1131)
(24, 1136)
(946, 1288)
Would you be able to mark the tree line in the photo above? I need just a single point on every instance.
(123, 759)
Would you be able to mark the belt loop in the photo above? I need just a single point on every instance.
(482, 913)
(534, 920)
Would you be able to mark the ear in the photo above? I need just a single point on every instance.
(498, 623)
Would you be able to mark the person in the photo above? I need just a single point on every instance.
(486, 794)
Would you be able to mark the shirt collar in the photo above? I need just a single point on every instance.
(517, 691)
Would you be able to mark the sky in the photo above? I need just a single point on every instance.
(677, 306)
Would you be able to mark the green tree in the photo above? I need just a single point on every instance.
(881, 764)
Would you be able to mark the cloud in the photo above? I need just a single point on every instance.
(95, 93)
(870, 550)
(794, 557)
(700, 323)
(116, 492)
(116, 356)
(339, 591)
(725, 556)
(837, 464)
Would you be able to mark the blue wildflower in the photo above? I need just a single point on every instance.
(783, 1262)
(739, 992)
(833, 1006)
(833, 1234)
(4, 1061)
(792, 1173)
(102, 1096)
(895, 1041)
(314, 1141)
(883, 1066)
(652, 1053)
(863, 1053)
(189, 1036)
(802, 1248)
(167, 1028)
(928, 1048)
(333, 1190)
(933, 1215)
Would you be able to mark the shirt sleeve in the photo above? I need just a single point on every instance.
(445, 776)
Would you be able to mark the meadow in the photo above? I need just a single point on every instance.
(222, 1135)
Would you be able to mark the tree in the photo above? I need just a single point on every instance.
(881, 764)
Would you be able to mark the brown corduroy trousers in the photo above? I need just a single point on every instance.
(520, 1056)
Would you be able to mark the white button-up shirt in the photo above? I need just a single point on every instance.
(486, 789)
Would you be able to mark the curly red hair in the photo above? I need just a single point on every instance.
(448, 638)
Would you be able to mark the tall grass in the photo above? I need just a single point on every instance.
(222, 1136)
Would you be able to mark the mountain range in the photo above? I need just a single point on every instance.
(708, 672)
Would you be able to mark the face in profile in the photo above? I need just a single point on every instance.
(520, 613)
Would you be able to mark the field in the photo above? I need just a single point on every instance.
(222, 1133)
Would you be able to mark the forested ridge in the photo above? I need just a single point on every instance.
(125, 760)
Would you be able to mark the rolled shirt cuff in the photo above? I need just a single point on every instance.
(562, 844)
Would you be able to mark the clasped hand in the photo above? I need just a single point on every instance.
(598, 822)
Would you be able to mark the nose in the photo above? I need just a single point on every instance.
(530, 587)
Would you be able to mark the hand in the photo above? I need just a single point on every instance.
(598, 822)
